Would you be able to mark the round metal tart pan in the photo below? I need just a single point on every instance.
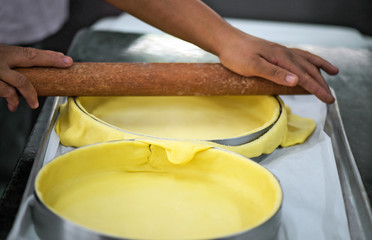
(49, 223)
(81, 122)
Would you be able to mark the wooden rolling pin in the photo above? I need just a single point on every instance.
(148, 79)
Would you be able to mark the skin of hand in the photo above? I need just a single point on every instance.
(13, 83)
(195, 22)
(251, 56)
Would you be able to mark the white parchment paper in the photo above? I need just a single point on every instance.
(313, 206)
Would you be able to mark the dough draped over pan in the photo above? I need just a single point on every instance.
(88, 120)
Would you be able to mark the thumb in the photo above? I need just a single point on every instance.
(28, 57)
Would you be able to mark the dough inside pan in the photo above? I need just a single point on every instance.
(203, 118)
(87, 120)
(134, 189)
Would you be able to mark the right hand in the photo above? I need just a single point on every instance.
(13, 83)
(251, 56)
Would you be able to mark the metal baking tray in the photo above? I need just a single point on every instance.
(358, 209)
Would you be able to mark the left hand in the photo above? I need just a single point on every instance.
(13, 84)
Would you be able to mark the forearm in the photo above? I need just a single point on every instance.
(190, 20)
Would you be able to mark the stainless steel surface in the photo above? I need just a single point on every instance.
(38, 163)
(250, 137)
(49, 225)
(356, 200)
(23, 220)
(244, 139)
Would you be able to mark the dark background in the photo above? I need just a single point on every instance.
(351, 13)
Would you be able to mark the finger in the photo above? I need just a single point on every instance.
(306, 67)
(21, 83)
(319, 62)
(309, 76)
(274, 73)
(311, 79)
(10, 95)
(28, 57)
(312, 86)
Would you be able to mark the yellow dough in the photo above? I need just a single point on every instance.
(87, 120)
(150, 190)
(185, 117)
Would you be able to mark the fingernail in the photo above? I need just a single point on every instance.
(337, 70)
(67, 60)
(290, 79)
(12, 108)
(333, 99)
(36, 105)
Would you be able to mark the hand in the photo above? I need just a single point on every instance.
(251, 56)
(12, 82)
